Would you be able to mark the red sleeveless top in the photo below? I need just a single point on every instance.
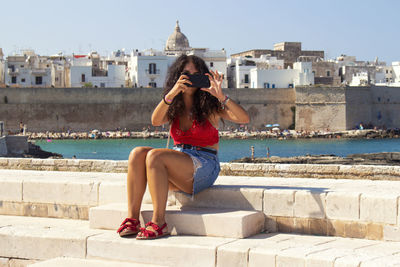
(200, 134)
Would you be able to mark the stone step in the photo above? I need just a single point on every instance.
(186, 221)
(347, 208)
(43, 238)
(74, 262)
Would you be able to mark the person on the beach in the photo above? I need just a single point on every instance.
(193, 164)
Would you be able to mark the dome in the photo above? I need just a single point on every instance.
(177, 40)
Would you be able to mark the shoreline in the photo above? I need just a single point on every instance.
(280, 135)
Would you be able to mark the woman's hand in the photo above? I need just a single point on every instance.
(215, 85)
(180, 86)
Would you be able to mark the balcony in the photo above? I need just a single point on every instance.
(153, 72)
(11, 71)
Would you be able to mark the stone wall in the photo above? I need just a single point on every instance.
(344, 108)
(85, 109)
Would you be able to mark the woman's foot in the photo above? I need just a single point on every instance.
(152, 231)
(129, 227)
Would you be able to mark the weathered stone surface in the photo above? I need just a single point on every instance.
(42, 238)
(378, 208)
(10, 189)
(61, 191)
(4, 262)
(189, 221)
(309, 204)
(279, 202)
(234, 197)
(74, 262)
(391, 233)
(171, 251)
(21, 262)
(343, 205)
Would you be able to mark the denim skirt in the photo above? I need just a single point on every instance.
(206, 168)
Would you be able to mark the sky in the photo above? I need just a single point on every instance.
(362, 28)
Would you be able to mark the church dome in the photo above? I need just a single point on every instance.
(177, 40)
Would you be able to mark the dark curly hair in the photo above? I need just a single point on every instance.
(204, 104)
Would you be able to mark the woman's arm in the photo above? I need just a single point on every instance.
(232, 111)
(159, 116)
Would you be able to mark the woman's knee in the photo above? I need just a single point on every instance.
(138, 154)
(154, 157)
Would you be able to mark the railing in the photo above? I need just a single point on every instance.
(148, 71)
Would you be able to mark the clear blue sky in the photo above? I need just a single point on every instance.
(363, 28)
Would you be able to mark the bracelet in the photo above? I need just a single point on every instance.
(223, 103)
(169, 100)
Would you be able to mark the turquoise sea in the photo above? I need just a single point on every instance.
(118, 149)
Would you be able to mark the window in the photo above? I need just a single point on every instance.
(152, 84)
(266, 85)
(211, 64)
(328, 73)
(22, 66)
(387, 71)
(22, 80)
(83, 78)
(152, 68)
(246, 78)
(14, 79)
(290, 85)
(38, 80)
(56, 79)
(273, 85)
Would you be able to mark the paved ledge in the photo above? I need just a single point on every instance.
(43, 239)
(74, 262)
(370, 172)
(334, 207)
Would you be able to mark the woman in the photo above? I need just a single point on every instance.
(193, 165)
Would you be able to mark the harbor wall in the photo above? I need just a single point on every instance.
(345, 108)
(85, 109)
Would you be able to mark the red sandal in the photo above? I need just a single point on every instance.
(129, 229)
(157, 231)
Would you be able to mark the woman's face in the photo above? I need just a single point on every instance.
(190, 67)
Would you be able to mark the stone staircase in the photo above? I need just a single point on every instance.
(69, 219)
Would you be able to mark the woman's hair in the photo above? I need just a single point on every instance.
(204, 104)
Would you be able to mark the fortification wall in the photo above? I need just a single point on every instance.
(344, 108)
(85, 109)
(320, 108)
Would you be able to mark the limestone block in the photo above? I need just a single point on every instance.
(42, 242)
(171, 251)
(68, 211)
(378, 208)
(3, 162)
(223, 196)
(74, 262)
(387, 261)
(3, 262)
(325, 258)
(279, 202)
(21, 262)
(116, 192)
(189, 221)
(64, 191)
(391, 233)
(112, 192)
(235, 166)
(10, 189)
(232, 256)
(343, 205)
(309, 204)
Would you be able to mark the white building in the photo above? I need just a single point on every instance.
(88, 71)
(148, 68)
(215, 60)
(301, 74)
(28, 70)
(2, 64)
(396, 72)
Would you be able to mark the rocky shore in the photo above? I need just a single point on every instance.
(384, 158)
(281, 135)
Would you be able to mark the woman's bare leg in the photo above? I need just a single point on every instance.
(136, 180)
(165, 167)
